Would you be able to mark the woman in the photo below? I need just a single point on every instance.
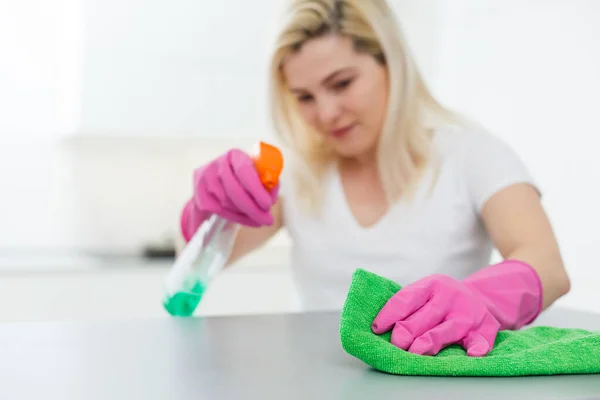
(380, 176)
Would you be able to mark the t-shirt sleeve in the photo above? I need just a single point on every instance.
(491, 165)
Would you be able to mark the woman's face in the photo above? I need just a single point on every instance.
(340, 92)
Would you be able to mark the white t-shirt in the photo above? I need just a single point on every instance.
(440, 231)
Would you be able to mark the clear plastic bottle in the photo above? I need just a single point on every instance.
(209, 249)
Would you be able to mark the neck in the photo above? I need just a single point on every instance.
(366, 161)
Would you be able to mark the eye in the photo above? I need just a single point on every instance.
(343, 84)
(305, 98)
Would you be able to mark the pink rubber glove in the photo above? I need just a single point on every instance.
(231, 188)
(437, 311)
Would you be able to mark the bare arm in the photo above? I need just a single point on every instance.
(520, 229)
(250, 239)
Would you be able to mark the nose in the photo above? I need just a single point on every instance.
(329, 110)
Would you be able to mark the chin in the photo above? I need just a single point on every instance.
(352, 150)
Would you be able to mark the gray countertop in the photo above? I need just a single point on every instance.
(293, 356)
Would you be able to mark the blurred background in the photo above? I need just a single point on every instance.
(107, 106)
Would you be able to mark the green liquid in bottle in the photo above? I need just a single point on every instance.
(183, 304)
(198, 263)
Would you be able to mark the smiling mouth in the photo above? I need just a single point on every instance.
(337, 133)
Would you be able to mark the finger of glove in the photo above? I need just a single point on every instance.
(400, 306)
(237, 217)
(480, 341)
(210, 198)
(274, 193)
(206, 202)
(242, 167)
(240, 199)
(424, 319)
(450, 331)
(208, 189)
(475, 345)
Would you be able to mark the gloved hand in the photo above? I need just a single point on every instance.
(437, 311)
(230, 187)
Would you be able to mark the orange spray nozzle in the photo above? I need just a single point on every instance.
(268, 162)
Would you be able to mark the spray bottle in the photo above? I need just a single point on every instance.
(208, 250)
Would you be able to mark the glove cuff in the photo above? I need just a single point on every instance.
(512, 291)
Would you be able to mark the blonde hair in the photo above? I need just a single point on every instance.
(404, 146)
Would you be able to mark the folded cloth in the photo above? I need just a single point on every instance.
(539, 350)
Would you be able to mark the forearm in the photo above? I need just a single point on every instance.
(250, 239)
(521, 230)
(549, 266)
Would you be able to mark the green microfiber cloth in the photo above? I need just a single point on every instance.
(538, 350)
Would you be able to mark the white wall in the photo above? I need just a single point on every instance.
(176, 68)
(40, 81)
